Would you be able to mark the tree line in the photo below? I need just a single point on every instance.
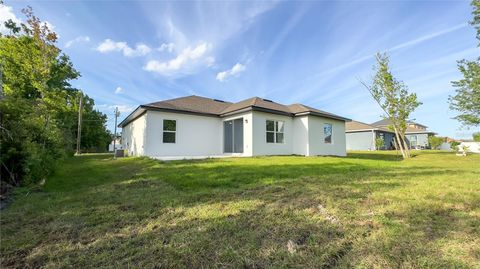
(38, 105)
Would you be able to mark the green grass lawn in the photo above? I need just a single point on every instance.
(366, 210)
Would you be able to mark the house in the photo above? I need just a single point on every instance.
(362, 136)
(196, 127)
(117, 143)
(416, 134)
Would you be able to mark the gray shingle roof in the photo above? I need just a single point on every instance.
(195, 104)
(353, 126)
(212, 107)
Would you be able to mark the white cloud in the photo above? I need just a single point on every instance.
(167, 47)
(186, 60)
(78, 39)
(6, 13)
(118, 90)
(109, 45)
(50, 26)
(234, 71)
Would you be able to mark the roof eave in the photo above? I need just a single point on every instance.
(132, 116)
(322, 115)
(180, 111)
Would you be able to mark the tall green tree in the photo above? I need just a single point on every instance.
(38, 105)
(393, 97)
(466, 100)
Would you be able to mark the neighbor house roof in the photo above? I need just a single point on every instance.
(409, 130)
(413, 130)
(386, 122)
(356, 126)
(218, 108)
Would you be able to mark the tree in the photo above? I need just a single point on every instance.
(39, 107)
(435, 141)
(454, 145)
(393, 97)
(467, 98)
(379, 143)
(476, 137)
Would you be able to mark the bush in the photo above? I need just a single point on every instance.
(454, 145)
(379, 143)
(435, 141)
(476, 137)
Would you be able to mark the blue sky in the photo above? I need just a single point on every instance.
(132, 53)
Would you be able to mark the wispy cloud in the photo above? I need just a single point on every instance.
(79, 39)
(427, 37)
(118, 90)
(185, 61)
(403, 45)
(234, 71)
(109, 45)
(167, 47)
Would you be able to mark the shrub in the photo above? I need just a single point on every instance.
(435, 141)
(379, 143)
(476, 137)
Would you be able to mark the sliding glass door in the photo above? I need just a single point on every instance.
(233, 136)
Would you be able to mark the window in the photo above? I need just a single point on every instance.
(275, 131)
(169, 130)
(327, 131)
(413, 141)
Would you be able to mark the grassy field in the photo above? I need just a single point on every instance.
(369, 210)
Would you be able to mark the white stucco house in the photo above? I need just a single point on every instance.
(199, 127)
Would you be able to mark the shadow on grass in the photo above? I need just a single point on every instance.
(376, 155)
(217, 213)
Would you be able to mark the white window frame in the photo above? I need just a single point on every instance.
(167, 131)
(274, 132)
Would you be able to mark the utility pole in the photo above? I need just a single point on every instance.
(117, 114)
(79, 131)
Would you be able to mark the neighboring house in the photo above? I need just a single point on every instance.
(118, 145)
(194, 126)
(362, 136)
(470, 146)
(416, 133)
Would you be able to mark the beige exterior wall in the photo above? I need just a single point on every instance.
(195, 135)
(134, 136)
(260, 145)
(202, 136)
(316, 137)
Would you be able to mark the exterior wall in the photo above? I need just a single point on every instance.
(300, 136)
(247, 132)
(203, 136)
(360, 141)
(259, 136)
(316, 137)
(195, 135)
(422, 139)
(134, 136)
